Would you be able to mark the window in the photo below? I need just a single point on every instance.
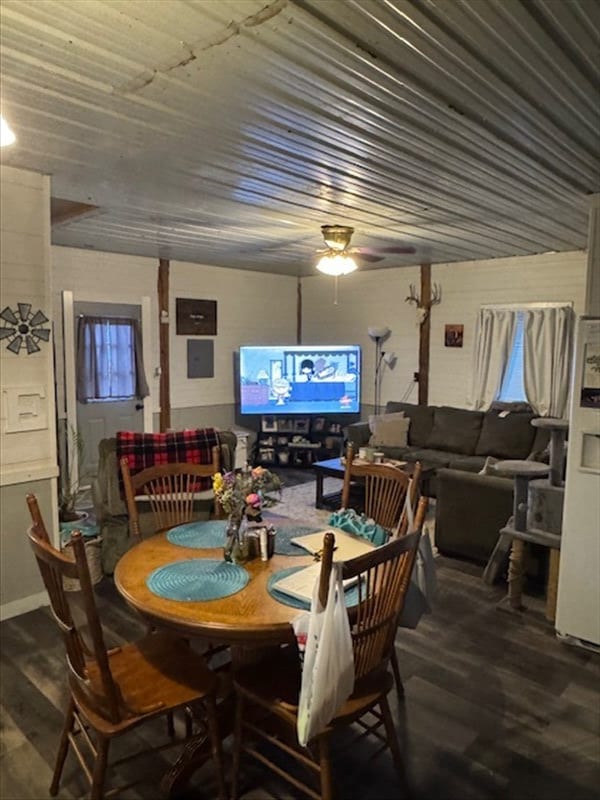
(513, 388)
(107, 364)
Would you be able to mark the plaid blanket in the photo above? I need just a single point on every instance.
(144, 450)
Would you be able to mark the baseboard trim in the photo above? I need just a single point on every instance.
(17, 607)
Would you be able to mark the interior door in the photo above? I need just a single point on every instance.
(101, 419)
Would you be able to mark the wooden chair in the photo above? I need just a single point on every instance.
(170, 489)
(385, 489)
(414, 486)
(113, 692)
(384, 575)
(420, 514)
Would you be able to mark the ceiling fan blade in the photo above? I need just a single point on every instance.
(396, 249)
(372, 259)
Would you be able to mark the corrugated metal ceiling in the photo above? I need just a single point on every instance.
(227, 132)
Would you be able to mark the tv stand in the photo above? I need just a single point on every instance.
(298, 441)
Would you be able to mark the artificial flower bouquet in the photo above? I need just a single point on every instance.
(246, 492)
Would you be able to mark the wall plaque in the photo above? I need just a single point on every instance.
(196, 317)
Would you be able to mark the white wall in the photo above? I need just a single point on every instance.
(378, 297)
(251, 308)
(27, 426)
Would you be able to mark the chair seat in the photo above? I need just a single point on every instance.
(155, 672)
(278, 688)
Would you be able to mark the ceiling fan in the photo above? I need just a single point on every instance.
(337, 238)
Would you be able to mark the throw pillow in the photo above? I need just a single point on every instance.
(388, 430)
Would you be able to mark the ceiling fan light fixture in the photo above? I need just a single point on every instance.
(7, 135)
(336, 264)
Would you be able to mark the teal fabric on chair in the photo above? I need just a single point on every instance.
(347, 519)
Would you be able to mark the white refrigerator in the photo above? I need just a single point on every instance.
(578, 604)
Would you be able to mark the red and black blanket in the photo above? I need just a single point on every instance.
(144, 450)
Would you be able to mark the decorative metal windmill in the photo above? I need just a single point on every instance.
(23, 328)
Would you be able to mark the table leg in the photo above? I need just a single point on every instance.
(319, 485)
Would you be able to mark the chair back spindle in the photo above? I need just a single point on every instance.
(385, 489)
(170, 489)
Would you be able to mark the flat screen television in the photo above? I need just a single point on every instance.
(300, 379)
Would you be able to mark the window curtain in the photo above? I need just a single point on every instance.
(109, 359)
(494, 334)
(547, 348)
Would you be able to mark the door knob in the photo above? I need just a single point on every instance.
(139, 406)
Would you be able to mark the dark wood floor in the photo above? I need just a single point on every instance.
(496, 708)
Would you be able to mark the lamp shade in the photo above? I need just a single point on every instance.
(336, 265)
(378, 332)
(389, 358)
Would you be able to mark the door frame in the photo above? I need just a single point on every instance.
(68, 298)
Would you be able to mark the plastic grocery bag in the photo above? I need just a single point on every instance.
(423, 583)
(328, 671)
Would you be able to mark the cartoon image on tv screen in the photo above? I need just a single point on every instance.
(300, 380)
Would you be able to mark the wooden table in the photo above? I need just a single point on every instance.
(333, 468)
(248, 619)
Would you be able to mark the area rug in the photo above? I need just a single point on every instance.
(298, 502)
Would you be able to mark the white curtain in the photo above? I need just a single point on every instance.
(494, 334)
(547, 348)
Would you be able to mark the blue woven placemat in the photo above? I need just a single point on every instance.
(200, 535)
(283, 535)
(351, 594)
(197, 579)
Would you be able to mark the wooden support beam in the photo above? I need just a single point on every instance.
(163, 340)
(299, 312)
(424, 335)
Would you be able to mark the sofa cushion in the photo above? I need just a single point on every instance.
(467, 463)
(433, 458)
(421, 420)
(508, 436)
(455, 429)
(388, 430)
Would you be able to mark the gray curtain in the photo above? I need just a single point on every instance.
(109, 359)
(494, 335)
(547, 349)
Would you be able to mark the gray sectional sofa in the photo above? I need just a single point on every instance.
(470, 507)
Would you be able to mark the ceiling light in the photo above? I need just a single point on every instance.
(6, 135)
(336, 264)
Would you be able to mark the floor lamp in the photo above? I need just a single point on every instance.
(378, 334)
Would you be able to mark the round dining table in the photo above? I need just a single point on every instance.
(249, 617)
(250, 620)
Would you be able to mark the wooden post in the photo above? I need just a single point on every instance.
(424, 332)
(163, 339)
(299, 312)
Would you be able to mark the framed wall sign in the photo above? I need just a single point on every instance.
(196, 317)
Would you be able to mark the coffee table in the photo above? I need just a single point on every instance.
(333, 468)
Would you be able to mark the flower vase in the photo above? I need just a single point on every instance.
(235, 549)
